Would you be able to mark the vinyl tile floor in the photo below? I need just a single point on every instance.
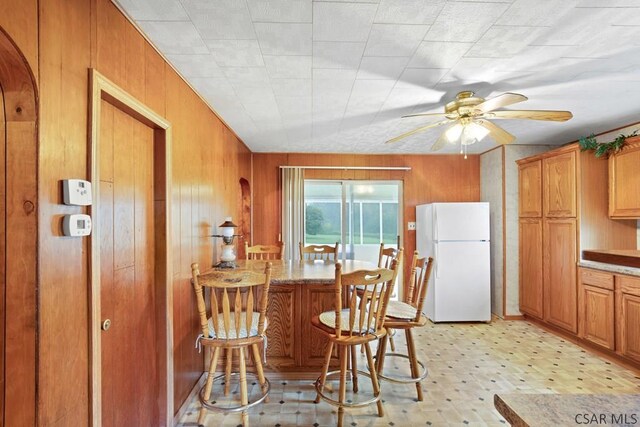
(467, 363)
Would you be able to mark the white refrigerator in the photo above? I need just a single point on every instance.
(456, 235)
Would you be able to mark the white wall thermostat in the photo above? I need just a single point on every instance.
(76, 225)
(76, 192)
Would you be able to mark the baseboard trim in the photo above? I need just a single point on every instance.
(185, 405)
(513, 317)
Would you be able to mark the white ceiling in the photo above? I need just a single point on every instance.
(335, 76)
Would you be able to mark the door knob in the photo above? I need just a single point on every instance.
(106, 325)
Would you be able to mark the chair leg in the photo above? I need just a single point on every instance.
(227, 371)
(344, 356)
(374, 379)
(325, 369)
(259, 370)
(209, 383)
(382, 349)
(392, 344)
(413, 361)
(244, 398)
(354, 367)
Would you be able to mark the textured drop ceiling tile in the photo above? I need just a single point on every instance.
(294, 106)
(242, 75)
(421, 77)
(221, 19)
(291, 87)
(464, 22)
(284, 39)
(504, 41)
(337, 54)
(173, 37)
(438, 54)
(288, 67)
(470, 70)
(368, 95)
(578, 27)
(382, 67)
(213, 88)
(394, 39)
(236, 53)
(280, 10)
(154, 10)
(542, 13)
(342, 21)
(196, 65)
(408, 11)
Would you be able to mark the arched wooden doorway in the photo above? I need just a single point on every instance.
(244, 211)
(18, 236)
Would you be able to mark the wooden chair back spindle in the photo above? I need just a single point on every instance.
(386, 256)
(319, 252)
(418, 282)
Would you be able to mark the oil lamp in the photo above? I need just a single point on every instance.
(227, 250)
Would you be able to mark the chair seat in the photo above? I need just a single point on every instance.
(328, 318)
(401, 310)
(252, 332)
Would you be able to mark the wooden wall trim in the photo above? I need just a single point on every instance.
(19, 91)
(101, 89)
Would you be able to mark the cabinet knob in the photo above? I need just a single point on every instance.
(106, 325)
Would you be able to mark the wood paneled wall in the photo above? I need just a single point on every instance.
(446, 178)
(61, 40)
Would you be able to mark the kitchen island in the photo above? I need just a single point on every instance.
(299, 290)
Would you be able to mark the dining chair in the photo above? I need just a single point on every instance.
(406, 315)
(359, 322)
(319, 252)
(235, 319)
(264, 252)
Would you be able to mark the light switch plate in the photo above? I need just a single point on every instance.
(411, 226)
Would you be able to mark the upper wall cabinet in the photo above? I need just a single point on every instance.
(530, 190)
(560, 185)
(624, 181)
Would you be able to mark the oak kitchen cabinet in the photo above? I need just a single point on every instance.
(564, 209)
(624, 181)
(609, 311)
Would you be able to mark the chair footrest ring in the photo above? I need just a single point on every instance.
(404, 380)
(214, 408)
(335, 402)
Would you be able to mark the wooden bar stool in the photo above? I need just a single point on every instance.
(361, 322)
(264, 252)
(407, 315)
(233, 323)
(319, 252)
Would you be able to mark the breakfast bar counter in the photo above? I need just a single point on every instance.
(299, 290)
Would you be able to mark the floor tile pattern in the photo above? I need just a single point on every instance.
(468, 364)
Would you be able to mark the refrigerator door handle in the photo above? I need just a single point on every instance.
(435, 223)
(435, 254)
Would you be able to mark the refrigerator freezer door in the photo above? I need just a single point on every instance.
(461, 221)
(461, 282)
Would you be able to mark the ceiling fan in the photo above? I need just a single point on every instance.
(468, 116)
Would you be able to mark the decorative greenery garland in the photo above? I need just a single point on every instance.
(604, 148)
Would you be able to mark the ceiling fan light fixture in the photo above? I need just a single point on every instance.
(473, 133)
(454, 133)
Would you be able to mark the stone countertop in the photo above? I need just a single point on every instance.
(293, 272)
(544, 410)
(613, 268)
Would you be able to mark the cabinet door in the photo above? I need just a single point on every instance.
(282, 330)
(530, 189)
(624, 183)
(531, 267)
(628, 324)
(560, 291)
(596, 317)
(315, 300)
(560, 185)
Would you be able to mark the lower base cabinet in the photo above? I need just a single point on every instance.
(596, 302)
(628, 312)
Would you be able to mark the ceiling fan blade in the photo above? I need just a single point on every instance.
(424, 114)
(500, 135)
(440, 143)
(556, 116)
(420, 129)
(500, 101)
